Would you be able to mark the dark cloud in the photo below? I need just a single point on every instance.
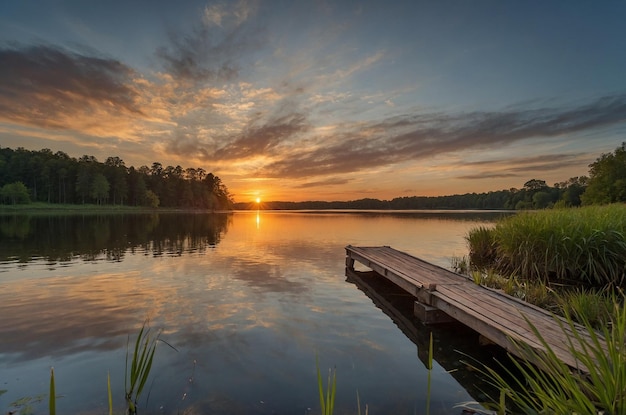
(44, 85)
(328, 182)
(518, 167)
(257, 140)
(417, 137)
(209, 53)
(254, 140)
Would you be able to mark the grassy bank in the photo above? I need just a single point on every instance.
(582, 246)
(572, 262)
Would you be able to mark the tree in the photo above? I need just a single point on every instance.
(571, 190)
(83, 180)
(152, 199)
(541, 200)
(15, 193)
(607, 179)
(535, 185)
(99, 188)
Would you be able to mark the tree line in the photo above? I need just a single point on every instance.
(44, 176)
(605, 184)
(58, 178)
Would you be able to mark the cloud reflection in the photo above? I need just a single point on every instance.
(65, 315)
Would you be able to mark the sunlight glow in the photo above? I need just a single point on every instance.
(258, 200)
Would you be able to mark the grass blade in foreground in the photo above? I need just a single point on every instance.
(327, 400)
(52, 403)
(143, 354)
(557, 389)
(109, 394)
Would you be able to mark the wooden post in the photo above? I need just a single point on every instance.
(429, 314)
(349, 260)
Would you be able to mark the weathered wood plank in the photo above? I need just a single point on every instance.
(499, 317)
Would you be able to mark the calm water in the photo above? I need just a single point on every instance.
(249, 299)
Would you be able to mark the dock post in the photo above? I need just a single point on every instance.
(349, 260)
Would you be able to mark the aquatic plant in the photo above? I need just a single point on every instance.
(586, 245)
(140, 367)
(595, 306)
(552, 387)
(52, 403)
(482, 247)
(327, 398)
(109, 394)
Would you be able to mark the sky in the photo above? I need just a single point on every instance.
(321, 100)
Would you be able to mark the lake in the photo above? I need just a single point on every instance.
(249, 300)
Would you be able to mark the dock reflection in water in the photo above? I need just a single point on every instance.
(454, 344)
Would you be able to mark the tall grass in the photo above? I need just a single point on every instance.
(482, 244)
(596, 307)
(552, 387)
(141, 364)
(327, 399)
(52, 399)
(585, 245)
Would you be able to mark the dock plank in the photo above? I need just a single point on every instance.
(501, 318)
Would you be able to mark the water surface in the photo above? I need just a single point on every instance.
(248, 299)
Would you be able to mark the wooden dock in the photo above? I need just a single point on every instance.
(500, 318)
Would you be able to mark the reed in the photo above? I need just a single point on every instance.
(52, 403)
(585, 245)
(596, 307)
(109, 394)
(551, 387)
(140, 367)
(327, 398)
(482, 247)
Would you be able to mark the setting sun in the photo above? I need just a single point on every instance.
(258, 200)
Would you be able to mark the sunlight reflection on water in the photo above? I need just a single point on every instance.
(248, 299)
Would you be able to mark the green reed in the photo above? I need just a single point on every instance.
(141, 364)
(596, 307)
(586, 245)
(551, 387)
(482, 244)
(109, 394)
(327, 398)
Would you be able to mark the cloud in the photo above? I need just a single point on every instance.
(210, 51)
(420, 136)
(328, 182)
(50, 87)
(220, 14)
(257, 140)
(518, 166)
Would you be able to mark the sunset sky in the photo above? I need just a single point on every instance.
(321, 100)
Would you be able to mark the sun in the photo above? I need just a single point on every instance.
(258, 200)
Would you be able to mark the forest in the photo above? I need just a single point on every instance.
(43, 176)
(535, 194)
(606, 183)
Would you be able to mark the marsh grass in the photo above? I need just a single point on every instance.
(585, 245)
(327, 398)
(141, 364)
(537, 293)
(109, 394)
(595, 306)
(482, 244)
(52, 403)
(551, 387)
